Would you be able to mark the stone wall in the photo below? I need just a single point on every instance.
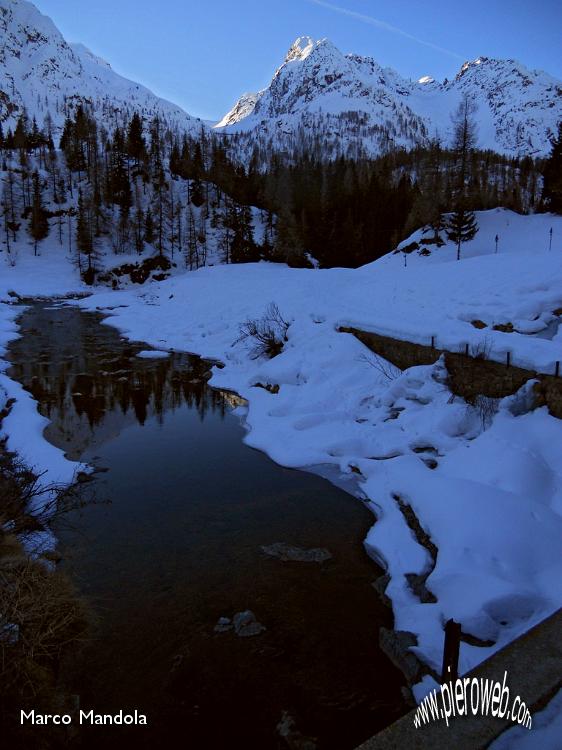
(469, 376)
(533, 664)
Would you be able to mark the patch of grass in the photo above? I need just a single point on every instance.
(42, 619)
(504, 327)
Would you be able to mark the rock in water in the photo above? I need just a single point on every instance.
(246, 625)
(223, 625)
(293, 738)
(288, 553)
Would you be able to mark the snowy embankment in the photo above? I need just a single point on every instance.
(486, 489)
(520, 285)
(49, 275)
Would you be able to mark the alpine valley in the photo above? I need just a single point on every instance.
(351, 275)
(318, 95)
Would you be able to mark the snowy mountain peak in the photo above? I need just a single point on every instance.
(353, 105)
(41, 73)
(25, 16)
(300, 49)
(305, 47)
(471, 64)
(485, 69)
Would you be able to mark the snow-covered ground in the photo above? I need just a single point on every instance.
(492, 506)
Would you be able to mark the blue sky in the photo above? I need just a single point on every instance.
(202, 54)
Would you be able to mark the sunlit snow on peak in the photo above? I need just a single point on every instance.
(300, 48)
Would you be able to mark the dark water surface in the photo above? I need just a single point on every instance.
(177, 546)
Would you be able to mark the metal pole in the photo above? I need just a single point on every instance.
(497, 240)
(550, 240)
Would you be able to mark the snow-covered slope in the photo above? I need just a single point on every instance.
(41, 71)
(353, 99)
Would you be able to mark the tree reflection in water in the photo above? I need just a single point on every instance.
(80, 372)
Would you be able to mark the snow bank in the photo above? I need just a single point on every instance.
(48, 275)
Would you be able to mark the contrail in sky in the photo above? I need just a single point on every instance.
(385, 26)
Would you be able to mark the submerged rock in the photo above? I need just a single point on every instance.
(396, 644)
(223, 625)
(288, 553)
(246, 625)
(294, 739)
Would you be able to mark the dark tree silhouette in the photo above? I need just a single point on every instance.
(552, 191)
(38, 221)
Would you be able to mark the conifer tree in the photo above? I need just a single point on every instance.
(21, 134)
(462, 226)
(160, 188)
(119, 191)
(148, 227)
(192, 259)
(175, 161)
(139, 227)
(84, 241)
(202, 241)
(136, 146)
(10, 205)
(243, 248)
(196, 192)
(552, 191)
(171, 209)
(6, 216)
(38, 221)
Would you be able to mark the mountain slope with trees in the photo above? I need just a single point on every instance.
(104, 177)
(136, 200)
(41, 73)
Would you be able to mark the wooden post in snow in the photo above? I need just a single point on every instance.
(451, 648)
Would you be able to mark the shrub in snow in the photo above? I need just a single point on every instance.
(481, 349)
(486, 408)
(268, 334)
(386, 369)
